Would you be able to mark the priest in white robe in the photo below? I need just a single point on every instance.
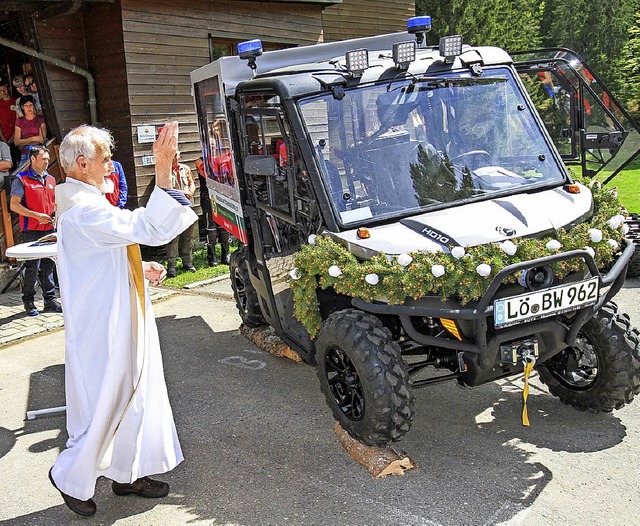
(119, 420)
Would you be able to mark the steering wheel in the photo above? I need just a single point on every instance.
(473, 158)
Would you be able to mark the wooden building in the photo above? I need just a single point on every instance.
(126, 63)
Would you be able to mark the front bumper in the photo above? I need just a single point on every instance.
(486, 348)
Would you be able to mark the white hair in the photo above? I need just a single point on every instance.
(86, 141)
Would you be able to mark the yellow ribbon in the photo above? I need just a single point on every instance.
(528, 367)
(135, 260)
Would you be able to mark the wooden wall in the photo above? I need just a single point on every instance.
(363, 18)
(107, 62)
(164, 40)
(64, 94)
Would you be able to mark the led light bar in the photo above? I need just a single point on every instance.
(357, 61)
(404, 53)
(450, 47)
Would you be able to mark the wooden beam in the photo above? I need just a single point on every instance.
(379, 461)
(6, 220)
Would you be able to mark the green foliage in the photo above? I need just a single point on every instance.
(605, 32)
(596, 29)
(461, 278)
(631, 65)
(505, 23)
(627, 185)
(203, 272)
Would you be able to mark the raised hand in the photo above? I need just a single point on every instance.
(164, 150)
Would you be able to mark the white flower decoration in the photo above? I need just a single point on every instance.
(295, 273)
(404, 260)
(372, 279)
(437, 270)
(483, 269)
(613, 243)
(553, 244)
(592, 252)
(312, 239)
(625, 229)
(615, 222)
(595, 234)
(458, 252)
(509, 247)
(334, 271)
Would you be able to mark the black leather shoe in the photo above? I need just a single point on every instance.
(52, 306)
(86, 508)
(144, 487)
(190, 268)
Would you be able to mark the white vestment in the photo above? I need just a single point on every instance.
(119, 419)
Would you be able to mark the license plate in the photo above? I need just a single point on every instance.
(543, 303)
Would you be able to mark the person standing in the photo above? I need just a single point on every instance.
(182, 244)
(5, 159)
(7, 114)
(119, 419)
(116, 189)
(32, 89)
(33, 199)
(30, 130)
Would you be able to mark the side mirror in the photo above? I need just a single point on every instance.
(264, 165)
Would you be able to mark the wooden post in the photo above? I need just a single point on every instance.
(6, 221)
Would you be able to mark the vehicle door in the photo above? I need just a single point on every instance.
(586, 123)
(281, 205)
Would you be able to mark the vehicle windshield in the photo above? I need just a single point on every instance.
(390, 149)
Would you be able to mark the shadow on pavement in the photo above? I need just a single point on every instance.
(259, 446)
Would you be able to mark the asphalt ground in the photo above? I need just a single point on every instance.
(260, 450)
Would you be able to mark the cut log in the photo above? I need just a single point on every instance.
(379, 461)
(267, 339)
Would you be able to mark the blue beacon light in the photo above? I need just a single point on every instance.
(249, 51)
(419, 26)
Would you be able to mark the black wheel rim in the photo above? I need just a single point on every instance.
(241, 290)
(577, 366)
(344, 383)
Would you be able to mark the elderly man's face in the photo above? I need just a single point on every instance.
(101, 166)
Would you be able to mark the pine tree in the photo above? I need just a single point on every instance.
(511, 24)
(596, 29)
(631, 66)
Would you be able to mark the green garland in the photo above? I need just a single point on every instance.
(461, 278)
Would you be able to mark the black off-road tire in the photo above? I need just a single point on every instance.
(364, 377)
(245, 295)
(634, 264)
(602, 371)
(633, 221)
